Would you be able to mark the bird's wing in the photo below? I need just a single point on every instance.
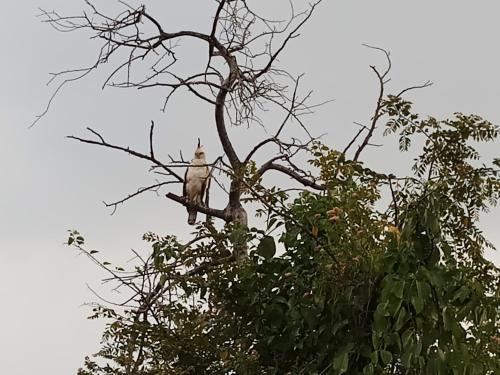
(205, 183)
(184, 185)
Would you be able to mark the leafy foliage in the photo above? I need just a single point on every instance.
(353, 290)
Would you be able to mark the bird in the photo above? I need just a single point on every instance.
(196, 182)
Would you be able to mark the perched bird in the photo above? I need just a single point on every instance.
(196, 182)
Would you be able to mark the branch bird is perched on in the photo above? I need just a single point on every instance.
(196, 182)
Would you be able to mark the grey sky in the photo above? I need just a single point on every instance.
(50, 184)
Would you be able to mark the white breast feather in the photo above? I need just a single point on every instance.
(196, 177)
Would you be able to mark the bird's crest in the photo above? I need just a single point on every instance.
(200, 151)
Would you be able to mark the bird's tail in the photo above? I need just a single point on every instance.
(192, 216)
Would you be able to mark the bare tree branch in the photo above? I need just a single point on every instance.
(139, 155)
(240, 80)
(221, 214)
(416, 87)
(378, 111)
(291, 173)
(349, 145)
(154, 188)
(379, 107)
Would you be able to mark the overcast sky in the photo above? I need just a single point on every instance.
(49, 184)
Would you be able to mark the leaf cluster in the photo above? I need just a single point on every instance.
(331, 285)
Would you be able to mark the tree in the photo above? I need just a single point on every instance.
(359, 287)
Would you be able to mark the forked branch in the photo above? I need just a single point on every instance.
(383, 79)
(101, 142)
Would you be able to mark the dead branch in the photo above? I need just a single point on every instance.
(103, 143)
(153, 188)
(379, 107)
(221, 214)
(291, 173)
(394, 202)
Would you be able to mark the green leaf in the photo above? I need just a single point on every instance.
(386, 357)
(441, 355)
(461, 294)
(394, 305)
(418, 348)
(447, 319)
(337, 326)
(402, 319)
(375, 341)
(423, 289)
(418, 304)
(266, 247)
(341, 360)
(382, 309)
(407, 358)
(396, 340)
(368, 370)
(398, 288)
(407, 337)
(477, 368)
